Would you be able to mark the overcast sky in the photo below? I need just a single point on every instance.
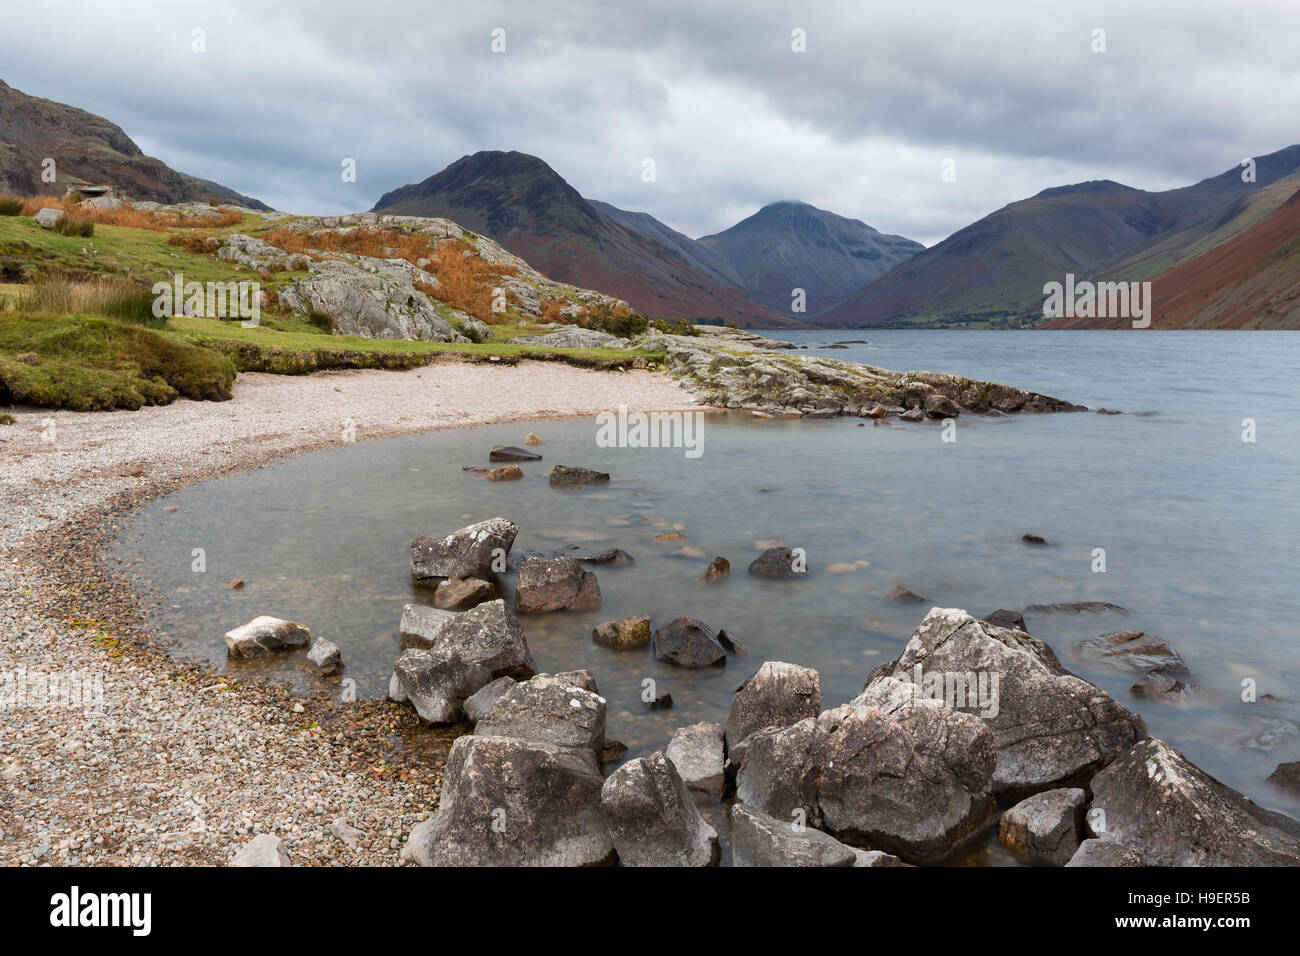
(861, 123)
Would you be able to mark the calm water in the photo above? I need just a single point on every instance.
(1201, 532)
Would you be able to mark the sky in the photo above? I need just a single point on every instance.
(917, 118)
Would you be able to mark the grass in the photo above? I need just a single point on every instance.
(103, 296)
(90, 364)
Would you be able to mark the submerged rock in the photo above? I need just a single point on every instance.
(905, 596)
(1134, 651)
(1172, 813)
(512, 453)
(1012, 620)
(1287, 776)
(778, 563)
(1044, 828)
(555, 584)
(477, 551)
(688, 643)
(567, 475)
(652, 817)
(266, 635)
(718, 569)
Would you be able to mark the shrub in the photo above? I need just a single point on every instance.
(619, 321)
(675, 326)
(72, 224)
(10, 205)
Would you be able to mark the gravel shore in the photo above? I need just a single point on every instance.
(157, 761)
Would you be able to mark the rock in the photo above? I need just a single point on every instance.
(876, 858)
(613, 750)
(580, 678)
(1012, 620)
(697, 753)
(778, 563)
(902, 594)
(1051, 729)
(235, 584)
(263, 850)
(571, 337)
(627, 632)
(913, 415)
(1109, 411)
(504, 473)
(718, 569)
(1285, 775)
(758, 839)
(555, 584)
(1134, 651)
(941, 406)
(532, 439)
(512, 453)
(664, 702)
(346, 832)
(488, 635)
(46, 218)
(877, 412)
(1168, 689)
(731, 644)
(478, 551)
(325, 657)
(688, 643)
(1075, 607)
(483, 699)
(1174, 814)
(455, 594)
(652, 817)
(778, 695)
(266, 635)
(670, 536)
(1033, 539)
(1044, 828)
(419, 845)
(552, 711)
(614, 557)
(1103, 852)
(436, 683)
(566, 475)
(510, 802)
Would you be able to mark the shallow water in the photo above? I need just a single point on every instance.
(1199, 529)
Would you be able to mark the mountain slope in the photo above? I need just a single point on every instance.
(995, 268)
(1252, 281)
(87, 149)
(789, 245)
(526, 206)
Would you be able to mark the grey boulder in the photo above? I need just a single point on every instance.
(482, 700)
(552, 711)
(686, 642)
(758, 839)
(555, 584)
(652, 817)
(325, 657)
(489, 635)
(266, 635)
(1044, 828)
(778, 695)
(477, 551)
(697, 753)
(436, 683)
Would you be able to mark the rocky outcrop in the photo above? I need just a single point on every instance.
(571, 337)
(732, 373)
(1171, 812)
(555, 584)
(1051, 729)
(477, 551)
(266, 635)
(652, 817)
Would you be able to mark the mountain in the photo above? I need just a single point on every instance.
(87, 149)
(526, 206)
(1251, 281)
(995, 268)
(789, 245)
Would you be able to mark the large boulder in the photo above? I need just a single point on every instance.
(779, 695)
(436, 683)
(477, 551)
(509, 802)
(697, 753)
(266, 635)
(551, 710)
(686, 642)
(478, 704)
(1172, 813)
(1044, 828)
(555, 584)
(652, 817)
(1052, 729)
(489, 635)
(758, 839)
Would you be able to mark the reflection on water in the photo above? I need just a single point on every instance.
(1199, 529)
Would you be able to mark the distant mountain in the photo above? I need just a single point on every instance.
(789, 245)
(525, 205)
(87, 149)
(1251, 281)
(995, 268)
